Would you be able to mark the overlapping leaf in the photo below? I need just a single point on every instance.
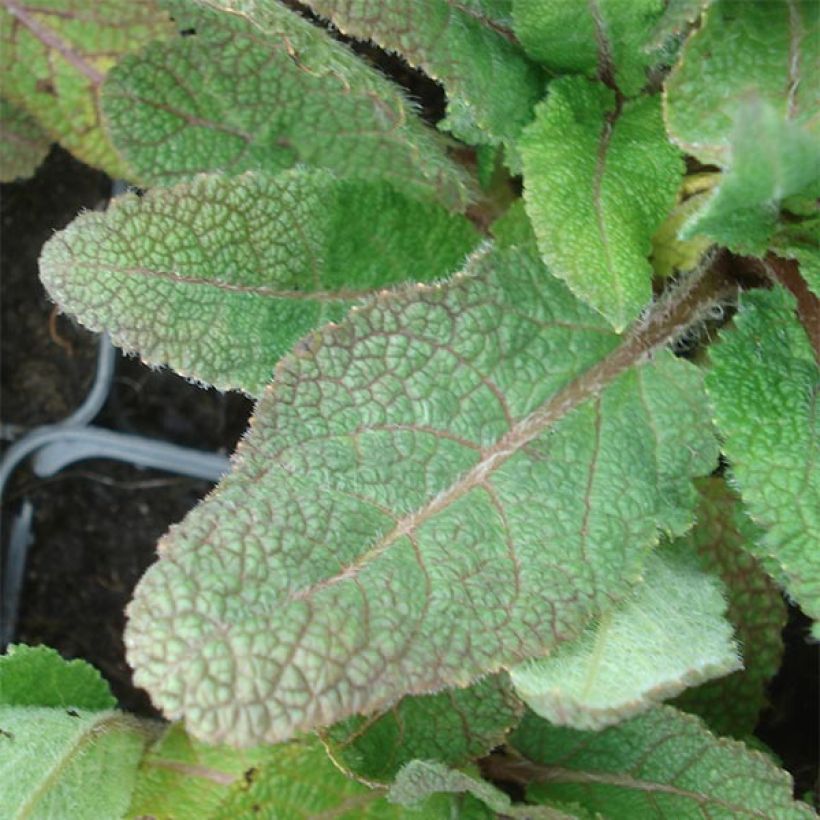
(662, 764)
(54, 59)
(258, 87)
(764, 385)
(454, 479)
(669, 634)
(220, 276)
(23, 144)
(600, 177)
(801, 241)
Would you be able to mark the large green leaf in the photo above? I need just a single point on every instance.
(452, 727)
(220, 276)
(491, 86)
(669, 634)
(600, 177)
(600, 38)
(23, 144)
(662, 764)
(765, 49)
(54, 58)
(764, 384)
(723, 538)
(258, 87)
(454, 479)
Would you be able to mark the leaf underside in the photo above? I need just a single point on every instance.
(23, 144)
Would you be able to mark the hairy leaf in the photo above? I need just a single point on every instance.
(801, 241)
(662, 764)
(678, 16)
(722, 538)
(764, 385)
(491, 86)
(258, 87)
(220, 276)
(38, 676)
(453, 480)
(743, 50)
(23, 144)
(670, 253)
(669, 634)
(54, 59)
(452, 727)
(600, 177)
(600, 38)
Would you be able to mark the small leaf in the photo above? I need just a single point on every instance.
(801, 241)
(669, 634)
(724, 538)
(54, 59)
(219, 276)
(670, 253)
(38, 676)
(258, 87)
(663, 763)
(599, 179)
(23, 144)
(764, 384)
(600, 38)
(677, 18)
(451, 727)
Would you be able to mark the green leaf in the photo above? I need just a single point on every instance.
(38, 676)
(801, 241)
(257, 87)
(218, 277)
(670, 253)
(677, 18)
(54, 58)
(452, 727)
(467, 46)
(669, 634)
(601, 38)
(67, 763)
(759, 50)
(771, 159)
(454, 479)
(23, 144)
(662, 764)
(723, 538)
(764, 383)
(599, 179)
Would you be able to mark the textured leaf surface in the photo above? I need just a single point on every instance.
(451, 727)
(38, 676)
(258, 87)
(599, 181)
(669, 634)
(723, 538)
(54, 58)
(801, 241)
(661, 764)
(23, 144)
(601, 38)
(670, 253)
(491, 86)
(764, 385)
(60, 763)
(220, 276)
(766, 50)
(454, 479)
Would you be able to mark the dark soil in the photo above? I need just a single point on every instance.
(97, 523)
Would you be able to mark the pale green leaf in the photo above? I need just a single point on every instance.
(723, 538)
(38, 676)
(454, 479)
(491, 86)
(771, 159)
(764, 384)
(669, 634)
(801, 241)
(23, 144)
(218, 277)
(766, 50)
(54, 55)
(670, 253)
(661, 764)
(258, 87)
(677, 18)
(599, 179)
(513, 228)
(451, 727)
(57, 763)
(601, 38)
